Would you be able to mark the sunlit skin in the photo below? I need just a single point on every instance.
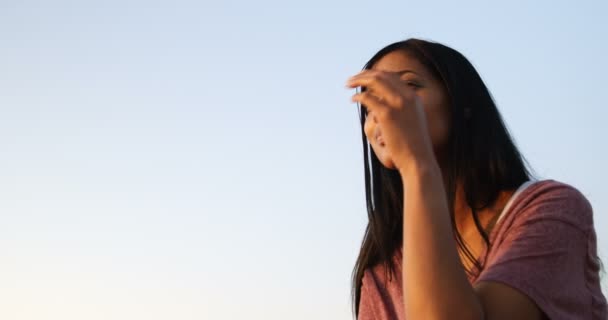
(410, 73)
(435, 104)
(407, 127)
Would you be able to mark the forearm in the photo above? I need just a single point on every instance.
(434, 282)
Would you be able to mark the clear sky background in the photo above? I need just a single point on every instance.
(201, 160)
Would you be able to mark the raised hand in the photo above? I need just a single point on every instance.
(400, 115)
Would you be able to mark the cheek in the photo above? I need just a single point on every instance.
(438, 124)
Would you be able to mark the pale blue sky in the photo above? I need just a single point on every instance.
(201, 160)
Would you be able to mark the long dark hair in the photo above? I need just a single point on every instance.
(480, 157)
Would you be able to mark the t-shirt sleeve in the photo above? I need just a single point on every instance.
(543, 253)
(366, 310)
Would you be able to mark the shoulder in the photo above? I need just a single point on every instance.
(379, 276)
(545, 249)
(551, 200)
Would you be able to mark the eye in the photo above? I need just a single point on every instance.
(410, 81)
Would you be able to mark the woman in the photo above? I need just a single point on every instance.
(458, 228)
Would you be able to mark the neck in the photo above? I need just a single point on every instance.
(463, 214)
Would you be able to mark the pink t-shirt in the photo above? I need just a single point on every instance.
(543, 245)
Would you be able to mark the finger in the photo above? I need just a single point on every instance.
(365, 74)
(368, 72)
(386, 75)
(378, 83)
(369, 101)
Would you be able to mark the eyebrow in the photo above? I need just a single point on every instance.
(402, 72)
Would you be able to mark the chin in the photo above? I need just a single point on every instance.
(387, 163)
(384, 159)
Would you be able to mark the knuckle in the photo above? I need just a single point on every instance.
(363, 96)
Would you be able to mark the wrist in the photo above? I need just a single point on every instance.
(420, 168)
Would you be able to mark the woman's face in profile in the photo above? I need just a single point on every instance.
(432, 95)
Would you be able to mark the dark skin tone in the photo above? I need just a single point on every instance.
(407, 127)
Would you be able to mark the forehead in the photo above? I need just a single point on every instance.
(398, 61)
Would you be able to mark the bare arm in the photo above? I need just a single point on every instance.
(435, 284)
